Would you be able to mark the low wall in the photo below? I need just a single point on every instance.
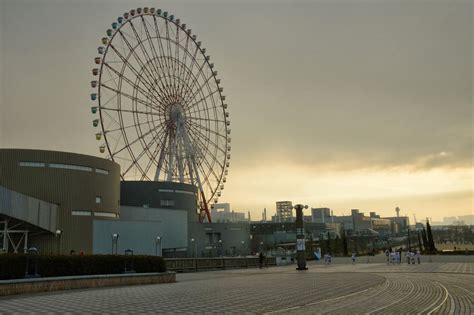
(18, 286)
(192, 264)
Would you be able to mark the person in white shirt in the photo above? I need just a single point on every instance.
(418, 256)
(353, 258)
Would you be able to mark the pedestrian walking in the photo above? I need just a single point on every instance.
(412, 257)
(387, 254)
(418, 256)
(260, 260)
(353, 258)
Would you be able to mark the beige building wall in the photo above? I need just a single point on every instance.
(74, 182)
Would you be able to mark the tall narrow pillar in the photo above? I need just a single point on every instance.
(300, 244)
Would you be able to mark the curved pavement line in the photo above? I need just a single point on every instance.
(464, 289)
(395, 302)
(444, 300)
(314, 303)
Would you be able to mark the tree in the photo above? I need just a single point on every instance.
(344, 245)
(430, 237)
(329, 243)
(419, 241)
(425, 239)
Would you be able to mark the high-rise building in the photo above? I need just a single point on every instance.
(284, 211)
(320, 215)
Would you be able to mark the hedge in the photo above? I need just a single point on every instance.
(13, 266)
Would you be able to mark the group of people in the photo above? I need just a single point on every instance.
(395, 256)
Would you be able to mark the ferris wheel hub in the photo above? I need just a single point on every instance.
(176, 113)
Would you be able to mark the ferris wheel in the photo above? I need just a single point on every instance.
(160, 105)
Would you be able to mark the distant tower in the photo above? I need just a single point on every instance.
(397, 210)
(264, 214)
(249, 217)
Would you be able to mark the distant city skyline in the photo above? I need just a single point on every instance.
(338, 104)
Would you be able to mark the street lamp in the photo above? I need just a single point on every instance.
(58, 234)
(193, 244)
(115, 237)
(158, 243)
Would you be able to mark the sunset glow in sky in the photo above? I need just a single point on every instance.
(339, 104)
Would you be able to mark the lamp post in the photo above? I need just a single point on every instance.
(58, 234)
(300, 246)
(193, 245)
(243, 249)
(115, 237)
(158, 244)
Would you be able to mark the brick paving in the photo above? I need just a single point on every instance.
(430, 288)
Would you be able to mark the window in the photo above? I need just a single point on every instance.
(105, 214)
(102, 171)
(98, 199)
(81, 213)
(32, 164)
(165, 190)
(184, 192)
(166, 203)
(71, 167)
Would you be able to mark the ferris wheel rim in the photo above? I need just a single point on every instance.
(223, 166)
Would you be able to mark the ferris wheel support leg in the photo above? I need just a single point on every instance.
(179, 153)
(171, 157)
(161, 159)
(204, 209)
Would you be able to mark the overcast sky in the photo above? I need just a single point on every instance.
(342, 104)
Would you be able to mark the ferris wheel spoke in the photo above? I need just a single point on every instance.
(204, 141)
(200, 136)
(136, 99)
(155, 152)
(192, 94)
(184, 67)
(130, 66)
(152, 47)
(145, 53)
(168, 46)
(140, 62)
(128, 144)
(110, 75)
(198, 74)
(202, 99)
(223, 136)
(160, 46)
(207, 119)
(130, 82)
(124, 127)
(137, 159)
(129, 111)
(191, 69)
(215, 107)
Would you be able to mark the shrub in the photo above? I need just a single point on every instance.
(13, 266)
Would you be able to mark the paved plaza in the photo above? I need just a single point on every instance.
(341, 288)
